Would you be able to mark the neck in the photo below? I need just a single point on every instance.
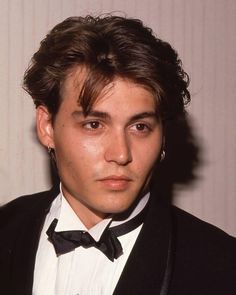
(87, 216)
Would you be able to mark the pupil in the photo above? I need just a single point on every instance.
(94, 125)
(140, 126)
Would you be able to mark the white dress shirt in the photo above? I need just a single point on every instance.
(82, 271)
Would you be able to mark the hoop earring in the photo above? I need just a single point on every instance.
(163, 155)
(49, 149)
(51, 153)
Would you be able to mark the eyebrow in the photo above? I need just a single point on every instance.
(144, 115)
(97, 114)
(105, 115)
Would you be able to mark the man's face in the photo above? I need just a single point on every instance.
(105, 159)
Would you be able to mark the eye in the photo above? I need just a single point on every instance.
(93, 125)
(141, 127)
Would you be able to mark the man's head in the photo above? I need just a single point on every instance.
(103, 88)
(108, 47)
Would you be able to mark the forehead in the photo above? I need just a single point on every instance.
(120, 90)
(74, 81)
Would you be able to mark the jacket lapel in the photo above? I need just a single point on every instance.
(24, 256)
(145, 269)
(23, 245)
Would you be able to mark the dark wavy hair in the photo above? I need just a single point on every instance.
(108, 47)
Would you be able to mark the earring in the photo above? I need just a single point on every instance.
(163, 155)
(49, 149)
(51, 153)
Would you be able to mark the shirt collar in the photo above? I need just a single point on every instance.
(68, 220)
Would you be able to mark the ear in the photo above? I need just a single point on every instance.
(44, 126)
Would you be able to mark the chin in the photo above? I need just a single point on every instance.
(118, 207)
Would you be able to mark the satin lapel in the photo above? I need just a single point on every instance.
(145, 268)
(25, 247)
(24, 256)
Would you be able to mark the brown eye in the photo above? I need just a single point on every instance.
(92, 125)
(141, 127)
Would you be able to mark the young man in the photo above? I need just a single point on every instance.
(104, 89)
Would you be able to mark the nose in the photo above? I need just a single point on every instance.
(118, 149)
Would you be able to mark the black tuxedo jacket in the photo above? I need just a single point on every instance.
(175, 253)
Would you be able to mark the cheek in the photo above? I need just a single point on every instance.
(79, 156)
(72, 144)
(147, 157)
(91, 148)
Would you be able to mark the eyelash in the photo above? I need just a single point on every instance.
(145, 128)
(97, 123)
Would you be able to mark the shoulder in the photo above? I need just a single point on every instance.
(191, 227)
(24, 205)
(205, 252)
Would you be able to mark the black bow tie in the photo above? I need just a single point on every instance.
(66, 241)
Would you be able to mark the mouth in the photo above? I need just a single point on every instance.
(116, 182)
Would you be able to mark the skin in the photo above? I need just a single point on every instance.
(105, 160)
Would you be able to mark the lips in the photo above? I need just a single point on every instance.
(116, 182)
